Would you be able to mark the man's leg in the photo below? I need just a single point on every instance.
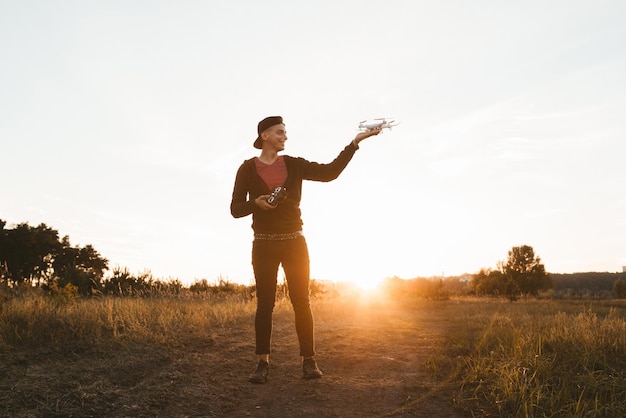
(296, 266)
(265, 262)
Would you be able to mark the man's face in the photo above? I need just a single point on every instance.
(275, 137)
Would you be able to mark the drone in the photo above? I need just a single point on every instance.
(368, 125)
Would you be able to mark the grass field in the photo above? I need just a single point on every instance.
(190, 356)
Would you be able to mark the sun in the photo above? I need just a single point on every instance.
(369, 287)
(351, 277)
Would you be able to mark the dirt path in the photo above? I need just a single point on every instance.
(376, 362)
(373, 363)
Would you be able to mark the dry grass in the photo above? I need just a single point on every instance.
(37, 321)
(546, 359)
(190, 357)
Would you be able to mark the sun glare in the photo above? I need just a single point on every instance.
(368, 287)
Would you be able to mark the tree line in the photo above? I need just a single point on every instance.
(524, 275)
(521, 275)
(586, 285)
(37, 257)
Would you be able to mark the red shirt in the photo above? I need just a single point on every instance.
(273, 175)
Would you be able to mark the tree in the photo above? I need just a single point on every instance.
(522, 274)
(35, 254)
(488, 282)
(619, 289)
(82, 267)
(526, 271)
(27, 252)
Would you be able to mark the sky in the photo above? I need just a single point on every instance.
(123, 124)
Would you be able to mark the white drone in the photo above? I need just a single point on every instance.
(382, 123)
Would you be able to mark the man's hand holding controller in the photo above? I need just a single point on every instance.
(271, 201)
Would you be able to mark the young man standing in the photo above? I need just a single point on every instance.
(278, 237)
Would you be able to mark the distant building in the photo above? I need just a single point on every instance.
(624, 269)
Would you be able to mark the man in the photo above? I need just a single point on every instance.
(278, 237)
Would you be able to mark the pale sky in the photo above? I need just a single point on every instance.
(123, 123)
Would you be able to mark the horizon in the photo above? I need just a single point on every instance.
(368, 285)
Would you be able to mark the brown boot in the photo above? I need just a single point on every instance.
(310, 369)
(259, 375)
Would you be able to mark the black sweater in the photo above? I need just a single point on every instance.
(287, 216)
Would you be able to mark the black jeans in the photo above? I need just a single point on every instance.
(293, 254)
